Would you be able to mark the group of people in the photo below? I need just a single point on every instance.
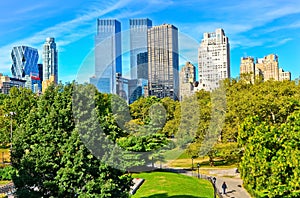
(224, 185)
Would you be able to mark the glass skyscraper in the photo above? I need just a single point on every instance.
(50, 62)
(138, 44)
(25, 66)
(163, 61)
(108, 60)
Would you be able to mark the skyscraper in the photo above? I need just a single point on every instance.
(163, 61)
(213, 59)
(142, 65)
(50, 63)
(138, 44)
(25, 66)
(187, 78)
(108, 60)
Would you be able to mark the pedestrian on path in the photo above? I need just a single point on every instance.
(224, 186)
(214, 180)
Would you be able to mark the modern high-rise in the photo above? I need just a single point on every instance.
(213, 59)
(187, 78)
(142, 65)
(50, 63)
(25, 66)
(138, 45)
(108, 59)
(163, 61)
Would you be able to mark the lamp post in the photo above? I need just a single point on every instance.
(192, 164)
(11, 114)
(198, 166)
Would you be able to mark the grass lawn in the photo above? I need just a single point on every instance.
(165, 184)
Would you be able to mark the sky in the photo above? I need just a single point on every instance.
(255, 28)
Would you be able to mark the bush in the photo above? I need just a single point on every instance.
(6, 173)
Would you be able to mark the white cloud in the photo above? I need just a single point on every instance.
(66, 32)
(280, 42)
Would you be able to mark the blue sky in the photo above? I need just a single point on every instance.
(255, 28)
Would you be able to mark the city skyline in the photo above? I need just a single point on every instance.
(255, 28)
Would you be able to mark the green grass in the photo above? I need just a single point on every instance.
(165, 184)
(175, 153)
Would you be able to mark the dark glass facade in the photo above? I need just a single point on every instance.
(25, 66)
(108, 59)
(138, 42)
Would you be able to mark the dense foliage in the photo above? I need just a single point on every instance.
(48, 155)
(60, 157)
(270, 166)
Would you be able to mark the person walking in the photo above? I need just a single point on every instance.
(214, 180)
(224, 186)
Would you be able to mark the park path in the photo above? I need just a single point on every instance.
(234, 185)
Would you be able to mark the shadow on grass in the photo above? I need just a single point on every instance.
(165, 195)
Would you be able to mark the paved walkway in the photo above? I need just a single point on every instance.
(234, 185)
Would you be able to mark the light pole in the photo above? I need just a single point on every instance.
(192, 164)
(198, 166)
(11, 114)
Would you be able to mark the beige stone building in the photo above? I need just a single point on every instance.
(186, 80)
(247, 68)
(267, 68)
(284, 75)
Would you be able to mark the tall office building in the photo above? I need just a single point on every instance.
(213, 59)
(50, 63)
(142, 65)
(187, 78)
(138, 45)
(25, 66)
(108, 60)
(163, 61)
(40, 68)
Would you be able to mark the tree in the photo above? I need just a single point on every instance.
(49, 155)
(20, 101)
(270, 165)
